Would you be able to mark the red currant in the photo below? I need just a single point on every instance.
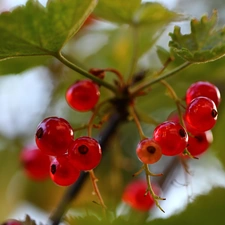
(35, 163)
(83, 95)
(135, 195)
(148, 151)
(172, 138)
(199, 142)
(53, 136)
(62, 172)
(12, 222)
(201, 114)
(85, 153)
(203, 89)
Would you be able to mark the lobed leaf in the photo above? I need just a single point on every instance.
(154, 14)
(133, 12)
(117, 11)
(37, 30)
(203, 44)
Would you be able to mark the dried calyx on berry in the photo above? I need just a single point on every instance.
(148, 151)
(172, 138)
(62, 172)
(85, 153)
(201, 114)
(53, 136)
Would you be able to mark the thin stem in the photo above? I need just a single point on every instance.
(139, 171)
(94, 181)
(145, 84)
(80, 128)
(117, 73)
(79, 70)
(150, 190)
(96, 110)
(168, 61)
(137, 122)
(176, 99)
(134, 59)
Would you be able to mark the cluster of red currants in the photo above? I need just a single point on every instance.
(58, 152)
(187, 132)
(170, 138)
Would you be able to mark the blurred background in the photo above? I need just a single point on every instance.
(33, 88)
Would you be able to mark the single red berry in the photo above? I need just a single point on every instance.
(35, 163)
(12, 222)
(172, 138)
(135, 195)
(53, 136)
(201, 114)
(198, 143)
(85, 153)
(83, 95)
(203, 89)
(63, 172)
(149, 151)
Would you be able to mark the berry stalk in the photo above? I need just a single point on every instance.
(79, 70)
(94, 181)
(145, 84)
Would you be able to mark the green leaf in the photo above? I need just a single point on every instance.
(154, 14)
(18, 65)
(203, 44)
(162, 54)
(133, 12)
(117, 11)
(35, 30)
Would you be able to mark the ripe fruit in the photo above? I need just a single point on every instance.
(199, 142)
(172, 138)
(85, 153)
(83, 95)
(135, 195)
(201, 114)
(148, 151)
(35, 163)
(62, 172)
(53, 136)
(203, 89)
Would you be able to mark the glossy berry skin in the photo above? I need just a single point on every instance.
(198, 143)
(62, 172)
(85, 153)
(148, 151)
(83, 95)
(203, 89)
(53, 136)
(201, 114)
(12, 222)
(172, 138)
(35, 163)
(134, 195)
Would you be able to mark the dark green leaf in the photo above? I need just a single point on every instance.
(35, 30)
(203, 44)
